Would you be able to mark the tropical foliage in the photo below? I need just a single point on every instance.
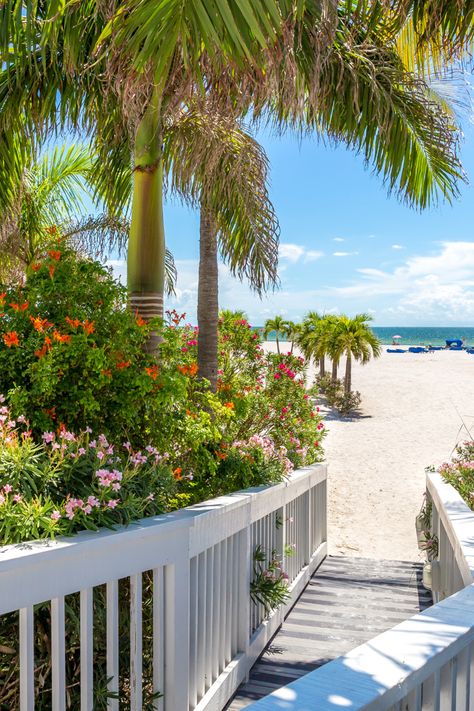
(460, 472)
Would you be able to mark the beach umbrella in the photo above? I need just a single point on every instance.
(394, 337)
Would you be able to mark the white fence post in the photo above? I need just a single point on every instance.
(176, 691)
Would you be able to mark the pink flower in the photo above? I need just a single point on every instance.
(81, 451)
(17, 498)
(93, 501)
(55, 516)
(281, 366)
(48, 437)
(112, 503)
(150, 497)
(7, 488)
(116, 486)
(2, 499)
(277, 376)
(100, 455)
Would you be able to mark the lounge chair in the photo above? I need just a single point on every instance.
(395, 350)
(417, 349)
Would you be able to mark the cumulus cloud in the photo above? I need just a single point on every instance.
(397, 246)
(437, 287)
(295, 252)
(338, 239)
(344, 254)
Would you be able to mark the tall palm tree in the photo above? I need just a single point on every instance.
(311, 339)
(123, 75)
(354, 338)
(279, 326)
(292, 331)
(216, 165)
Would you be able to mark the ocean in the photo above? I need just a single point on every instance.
(417, 335)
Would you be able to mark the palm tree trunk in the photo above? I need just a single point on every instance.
(348, 375)
(322, 366)
(208, 299)
(277, 342)
(335, 364)
(146, 246)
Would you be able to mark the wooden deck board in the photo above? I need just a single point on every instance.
(347, 602)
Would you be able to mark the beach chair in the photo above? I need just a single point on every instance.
(395, 350)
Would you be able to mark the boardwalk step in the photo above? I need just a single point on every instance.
(347, 602)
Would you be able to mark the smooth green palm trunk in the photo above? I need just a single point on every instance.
(146, 247)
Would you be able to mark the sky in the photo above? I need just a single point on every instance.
(345, 246)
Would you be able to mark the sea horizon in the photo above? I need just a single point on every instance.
(414, 335)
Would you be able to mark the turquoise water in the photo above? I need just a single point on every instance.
(414, 335)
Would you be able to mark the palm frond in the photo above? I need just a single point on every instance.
(213, 162)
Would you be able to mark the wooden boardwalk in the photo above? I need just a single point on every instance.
(347, 602)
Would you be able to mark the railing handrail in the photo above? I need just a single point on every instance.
(458, 521)
(29, 571)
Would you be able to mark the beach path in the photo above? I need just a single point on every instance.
(415, 408)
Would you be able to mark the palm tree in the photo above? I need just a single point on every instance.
(122, 76)
(354, 339)
(216, 165)
(277, 324)
(310, 339)
(46, 202)
(292, 331)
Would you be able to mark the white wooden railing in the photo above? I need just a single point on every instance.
(206, 631)
(423, 664)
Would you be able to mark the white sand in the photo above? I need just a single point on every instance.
(411, 416)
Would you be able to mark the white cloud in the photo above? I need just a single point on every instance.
(339, 239)
(344, 254)
(313, 254)
(294, 252)
(434, 288)
(397, 246)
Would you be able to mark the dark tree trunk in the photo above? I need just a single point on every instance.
(208, 299)
(348, 376)
(322, 366)
(335, 364)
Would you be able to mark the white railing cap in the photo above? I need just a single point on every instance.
(458, 521)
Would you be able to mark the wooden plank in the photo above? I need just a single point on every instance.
(337, 611)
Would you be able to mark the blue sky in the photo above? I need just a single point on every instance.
(345, 245)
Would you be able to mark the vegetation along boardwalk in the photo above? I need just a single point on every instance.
(347, 602)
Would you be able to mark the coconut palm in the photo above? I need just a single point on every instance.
(46, 201)
(311, 341)
(279, 326)
(354, 339)
(216, 165)
(292, 331)
(122, 76)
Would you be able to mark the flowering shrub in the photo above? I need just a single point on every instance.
(269, 585)
(70, 482)
(460, 472)
(70, 352)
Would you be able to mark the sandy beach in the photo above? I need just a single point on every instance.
(415, 408)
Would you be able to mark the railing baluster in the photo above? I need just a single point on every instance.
(228, 617)
(216, 611)
(223, 626)
(112, 644)
(209, 616)
(158, 635)
(87, 649)
(201, 681)
(193, 631)
(27, 678)
(58, 655)
(136, 643)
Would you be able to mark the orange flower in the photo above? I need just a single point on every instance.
(74, 323)
(51, 412)
(88, 327)
(177, 473)
(230, 405)
(183, 369)
(107, 372)
(51, 270)
(41, 351)
(19, 307)
(2, 297)
(221, 455)
(152, 371)
(61, 338)
(139, 320)
(52, 230)
(11, 339)
(193, 369)
(121, 364)
(55, 254)
(40, 324)
(36, 267)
